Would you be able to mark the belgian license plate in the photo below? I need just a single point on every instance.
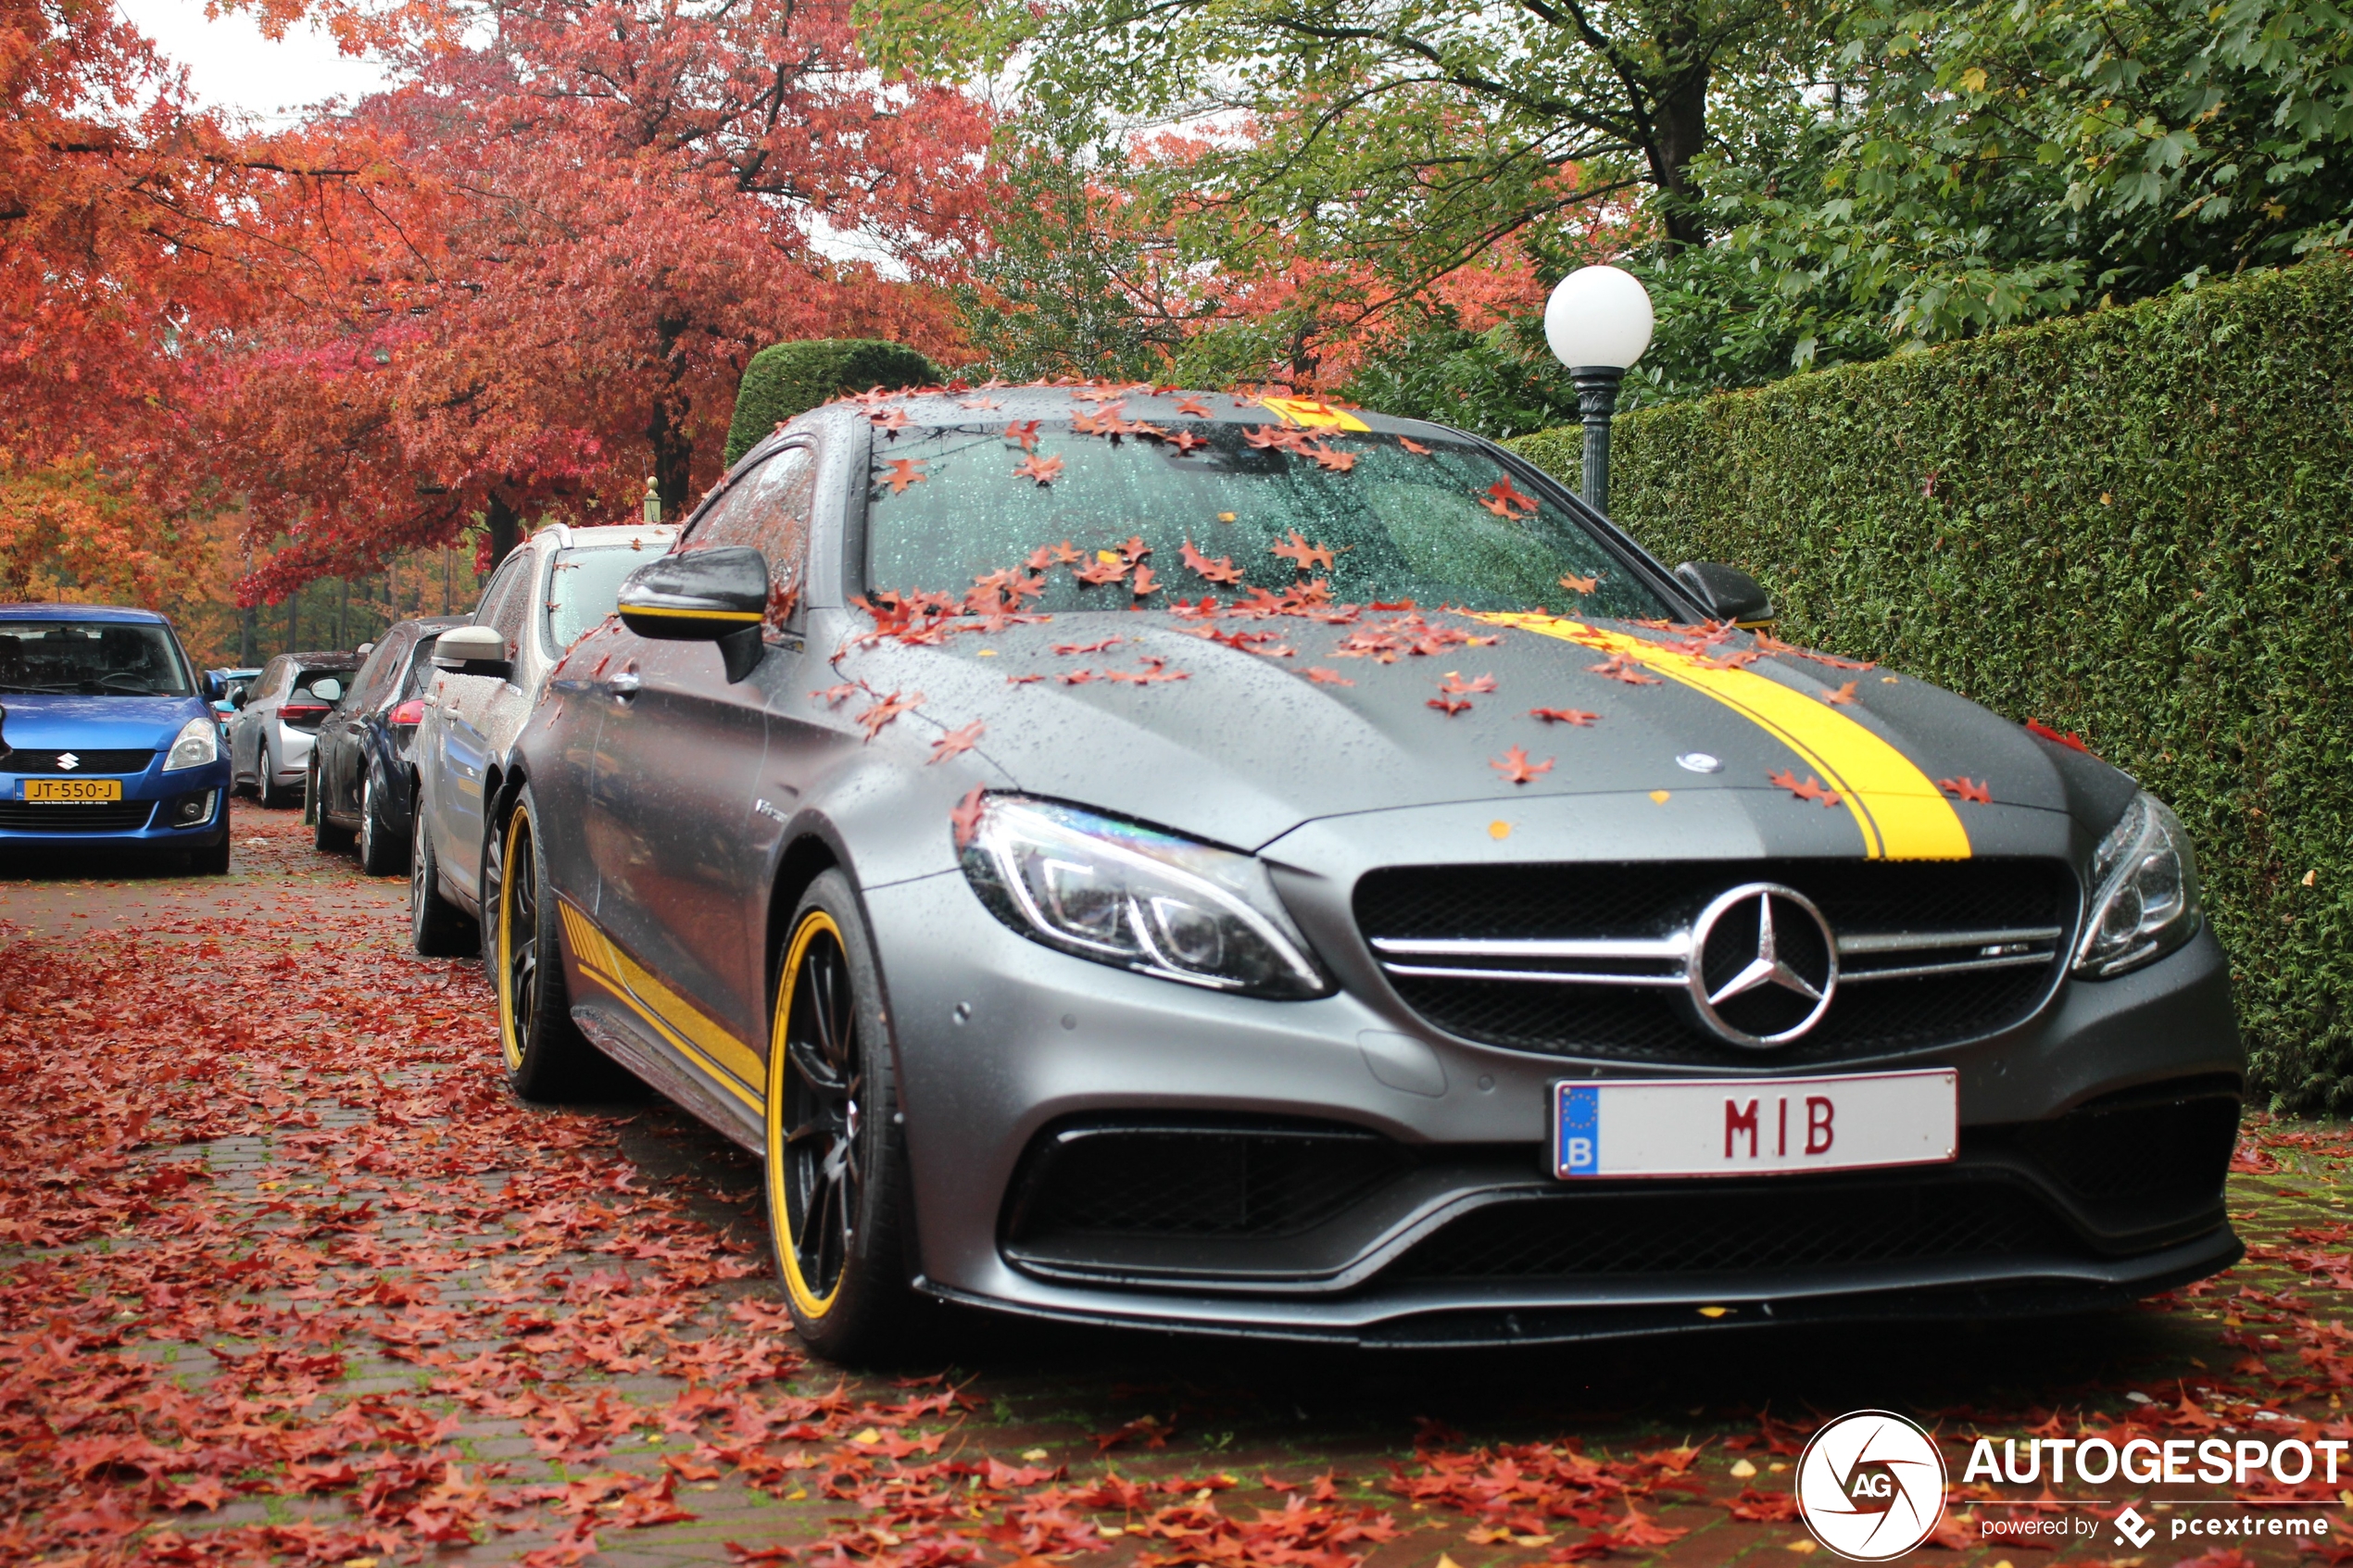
(1753, 1126)
(72, 792)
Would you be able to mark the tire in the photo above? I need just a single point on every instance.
(212, 860)
(328, 838)
(383, 851)
(836, 1170)
(437, 928)
(547, 1056)
(267, 789)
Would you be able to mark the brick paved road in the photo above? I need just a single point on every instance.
(284, 1275)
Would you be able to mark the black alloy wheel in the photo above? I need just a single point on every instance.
(547, 1057)
(328, 838)
(381, 846)
(836, 1159)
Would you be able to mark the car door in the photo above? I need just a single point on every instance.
(671, 811)
(343, 753)
(245, 745)
(461, 750)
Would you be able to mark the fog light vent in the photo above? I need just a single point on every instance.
(190, 810)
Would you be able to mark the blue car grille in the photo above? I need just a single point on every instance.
(84, 762)
(105, 816)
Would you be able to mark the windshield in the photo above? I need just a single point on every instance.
(90, 658)
(584, 585)
(1379, 519)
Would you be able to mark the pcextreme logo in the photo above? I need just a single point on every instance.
(1870, 1486)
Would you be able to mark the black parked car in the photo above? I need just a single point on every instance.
(361, 781)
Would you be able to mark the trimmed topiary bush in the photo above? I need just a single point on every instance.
(787, 379)
(2136, 525)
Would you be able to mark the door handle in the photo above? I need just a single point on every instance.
(624, 685)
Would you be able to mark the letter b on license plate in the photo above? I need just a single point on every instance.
(1753, 1126)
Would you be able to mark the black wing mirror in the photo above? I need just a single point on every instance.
(712, 596)
(473, 651)
(1728, 592)
(240, 697)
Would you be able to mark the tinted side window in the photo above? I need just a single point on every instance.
(514, 604)
(265, 685)
(376, 676)
(767, 508)
(501, 584)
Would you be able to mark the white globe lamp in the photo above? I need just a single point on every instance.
(1597, 323)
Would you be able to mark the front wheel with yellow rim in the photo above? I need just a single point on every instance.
(836, 1167)
(547, 1057)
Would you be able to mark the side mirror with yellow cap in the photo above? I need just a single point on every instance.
(711, 596)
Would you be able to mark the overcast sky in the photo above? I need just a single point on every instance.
(233, 67)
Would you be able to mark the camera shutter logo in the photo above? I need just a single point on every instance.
(1870, 1486)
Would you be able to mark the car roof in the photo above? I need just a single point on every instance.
(327, 659)
(1136, 400)
(84, 612)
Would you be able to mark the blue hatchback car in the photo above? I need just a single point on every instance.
(107, 737)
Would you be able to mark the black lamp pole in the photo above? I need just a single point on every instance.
(1597, 400)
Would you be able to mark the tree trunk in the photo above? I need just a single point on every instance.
(1678, 123)
(506, 530)
(248, 635)
(674, 452)
(294, 620)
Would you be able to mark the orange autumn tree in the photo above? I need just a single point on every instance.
(610, 207)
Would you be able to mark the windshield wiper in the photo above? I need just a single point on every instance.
(46, 691)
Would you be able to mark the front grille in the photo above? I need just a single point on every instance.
(17, 761)
(1196, 1181)
(1704, 1228)
(104, 816)
(1585, 960)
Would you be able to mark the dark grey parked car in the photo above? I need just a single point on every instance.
(1155, 861)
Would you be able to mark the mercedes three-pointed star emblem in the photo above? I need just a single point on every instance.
(1742, 921)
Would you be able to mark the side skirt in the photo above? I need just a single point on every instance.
(614, 1031)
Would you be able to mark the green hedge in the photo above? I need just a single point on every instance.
(2135, 525)
(787, 379)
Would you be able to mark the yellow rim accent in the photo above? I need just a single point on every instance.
(1314, 414)
(727, 1060)
(510, 1045)
(816, 923)
(745, 617)
(1900, 814)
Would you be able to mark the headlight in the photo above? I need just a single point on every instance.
(197, 743)
(2146, 902)
(1138, 899)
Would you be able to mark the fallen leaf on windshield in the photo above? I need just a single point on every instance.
(904, 471)
(1501, 499)
(1812, 789)
(1069, 649)
(1025, 432)
(1324, 677)
(1618, 667)
(965, 816)
(886, 708)
(1577, 585)
(1308, 556)
(1099, 571)
(1045, 471)
(1145, 582)
(1222, 570)
(1282, 438)
(1513, 765)
(953, 742)
(1843, 697)
(1187, 442)
(1415, 447)
(1968, 789)
(1563, 715)
(1331, 458)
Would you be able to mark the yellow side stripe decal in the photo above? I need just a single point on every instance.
(729, 1061)
(1901, 815)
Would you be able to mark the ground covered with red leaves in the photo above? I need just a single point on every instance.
(286, 1275)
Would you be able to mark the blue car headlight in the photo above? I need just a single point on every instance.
(2145, 899)
(197, 743)
(1138, 899)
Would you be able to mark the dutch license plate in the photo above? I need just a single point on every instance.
(72, 792)
(1751, 1126)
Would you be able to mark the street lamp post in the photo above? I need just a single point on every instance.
(1598, 322)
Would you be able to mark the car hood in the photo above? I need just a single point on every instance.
(1272, 724)
(39, 722)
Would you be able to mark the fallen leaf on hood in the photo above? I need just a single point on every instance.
(1455, 686)
(1966, 789)
(1618, 667)
(1812, 789)
(1324, 677)
(965, 817)
(1514, 766)
(2072, 741)
(1843, 697)
(1564, 715)
(885, 709)
(1193, 405)
(1070, 649)
(954, 741)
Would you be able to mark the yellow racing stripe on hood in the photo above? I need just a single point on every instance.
(1902, 814)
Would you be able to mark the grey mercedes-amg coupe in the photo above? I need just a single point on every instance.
(1247, 865)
